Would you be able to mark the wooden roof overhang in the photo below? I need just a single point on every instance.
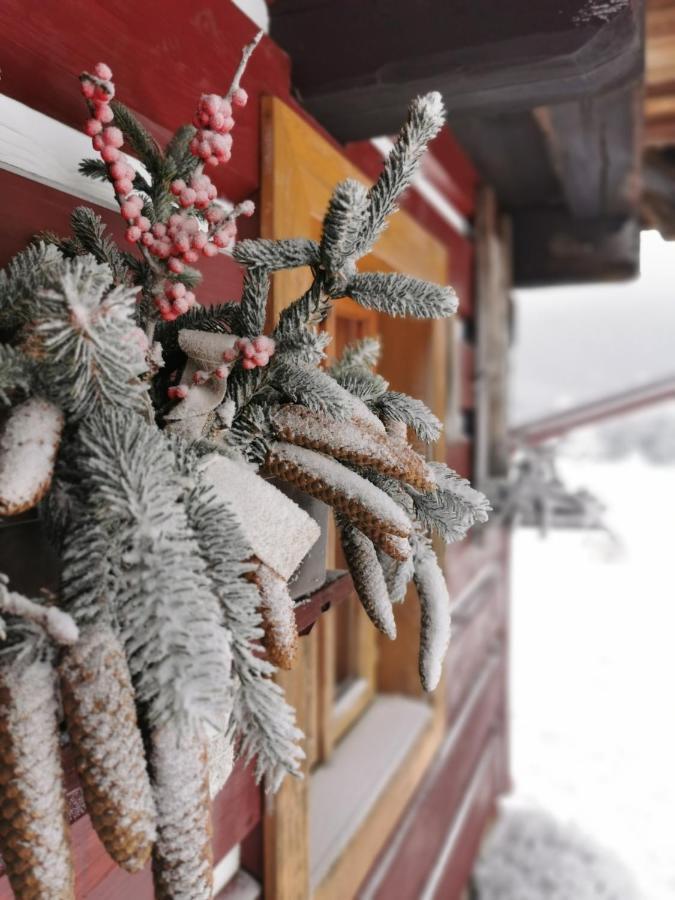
(545, 98)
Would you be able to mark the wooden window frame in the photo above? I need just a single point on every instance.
(300, 170)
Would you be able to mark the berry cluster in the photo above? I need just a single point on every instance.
(98, 90)
(177, 300)
(199, 226)
(214, 122)
(253, 353)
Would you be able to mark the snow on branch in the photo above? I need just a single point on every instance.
(401, 295)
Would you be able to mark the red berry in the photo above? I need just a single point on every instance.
(103, 71)
(97, 142)
(174, 264)
(103, 112)
(240, 97)
(190, 257)
(109, 154)
(129, 210)
(113, 137)
(147, 239)
(247, 208)
(87, 88)
(181, 305)
(158, 229)
(123, 187)
(210, 250)
(248, 363)
(133, 234)
(188, 197)
(143, 223)
(92, 127)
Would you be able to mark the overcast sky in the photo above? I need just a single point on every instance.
(580, 343)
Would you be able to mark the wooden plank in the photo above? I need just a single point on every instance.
(405, 864)
(285, 822)
(367, 841)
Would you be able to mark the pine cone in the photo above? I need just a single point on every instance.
(356, 443)
(368, 578)
(100, 712)
(28, 447)
(278, 617)
(33, 824)
(182, 859)
(432, 591)
(366, 506)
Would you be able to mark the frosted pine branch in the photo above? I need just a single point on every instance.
(262, 720)
(29, 271)
(453, 508)
(274, 255)
(310, 386)
(426, 115)
(90, 232)
(342, 224)
(16, 373)
(253, 307)
(94, 353)
(411, 412)
(401, 295)
(170, 621)
(359, 354)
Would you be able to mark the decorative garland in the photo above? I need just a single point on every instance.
(138, 420)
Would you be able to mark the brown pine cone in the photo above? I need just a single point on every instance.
(354, 442)
(368, 578)
(100, 712)
(278, 617)
(182, 859)
(33, 825)
(371, 510)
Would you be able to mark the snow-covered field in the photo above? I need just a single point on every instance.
(593, 670)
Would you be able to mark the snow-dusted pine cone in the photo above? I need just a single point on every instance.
(98, 702)
(368, 578)
(182, 859)
(33, 826)
(356, 443)
(432, 591)
(371, 510)
(28, 446)
(278, 617)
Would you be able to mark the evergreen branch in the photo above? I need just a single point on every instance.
(364, 354)
(425, 119)
(309, 310)
(401, 295)
(91, 234)
(138, 138)
(170, 621)
(305, 346)
(86, 332)
(93, 168)
(362, 383)
(34, 268)
(412, 412)
(310, 387)
(253, 307)
(273, 255)
(262, 719)
(16, 374)
(342, 224)
(453, 508)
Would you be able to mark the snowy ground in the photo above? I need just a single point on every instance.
(593, 678)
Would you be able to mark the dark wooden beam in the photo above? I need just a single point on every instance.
(552, 247)
(483, 56)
